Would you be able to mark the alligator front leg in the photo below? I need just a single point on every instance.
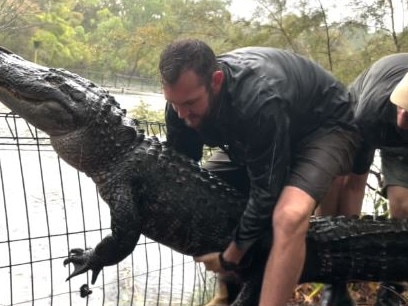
(126, 229)
(106, 253)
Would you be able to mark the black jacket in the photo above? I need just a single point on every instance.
(375, 114)
(270, 100)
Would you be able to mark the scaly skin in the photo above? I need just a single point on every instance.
(154, 191)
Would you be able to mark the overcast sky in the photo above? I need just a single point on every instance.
(337, 9)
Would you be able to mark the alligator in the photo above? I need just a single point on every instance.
(155, 191)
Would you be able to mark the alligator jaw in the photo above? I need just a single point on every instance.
(85, 124)
(50, 99)
(47, 115)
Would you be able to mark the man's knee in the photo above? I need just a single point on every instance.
(292, 212)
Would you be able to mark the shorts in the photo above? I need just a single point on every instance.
(394, 165)
(316, 161)
(363, 159)
(320, 158)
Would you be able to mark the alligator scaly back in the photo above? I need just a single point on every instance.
(154, 191)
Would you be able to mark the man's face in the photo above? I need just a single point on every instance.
(402, 118)
(190, 98)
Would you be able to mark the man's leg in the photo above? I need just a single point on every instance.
(286, 259)
(398, 201)
(352, 194)
(329, 205)
(395, 171)
(317, 161)
(345, 198)
(394, 166)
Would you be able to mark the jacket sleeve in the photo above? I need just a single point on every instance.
(182, 138)
(267, 146)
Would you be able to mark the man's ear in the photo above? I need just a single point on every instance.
(217, 80)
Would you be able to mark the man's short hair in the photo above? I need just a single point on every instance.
(187, 54)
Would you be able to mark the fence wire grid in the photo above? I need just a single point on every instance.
(47, 208)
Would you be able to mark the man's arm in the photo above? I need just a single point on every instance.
(267, 146)
(268, 156)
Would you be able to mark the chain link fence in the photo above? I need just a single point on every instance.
(123, 83)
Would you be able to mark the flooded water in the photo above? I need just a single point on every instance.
(48, 208)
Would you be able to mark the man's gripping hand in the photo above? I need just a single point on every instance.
(211, 262)
(215, 262)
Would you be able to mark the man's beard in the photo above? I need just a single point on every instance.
(201, 120)
(210, 129)
(208, 117)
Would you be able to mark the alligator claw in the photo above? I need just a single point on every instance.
(83, 260)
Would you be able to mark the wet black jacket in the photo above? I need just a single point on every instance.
(375, 115)
(270, 100)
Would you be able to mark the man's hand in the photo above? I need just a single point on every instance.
(222, 262)
(211, 262)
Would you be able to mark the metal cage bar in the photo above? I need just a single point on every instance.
(47, 208)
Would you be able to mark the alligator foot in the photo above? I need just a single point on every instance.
(83, 260)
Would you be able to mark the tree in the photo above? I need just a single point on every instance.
(166, 21)
(59, 36)
(16, 23)
(107, 42)
(382, 16)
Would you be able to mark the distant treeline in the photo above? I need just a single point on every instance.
(125, 37)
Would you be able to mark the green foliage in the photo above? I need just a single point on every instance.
(108, 34)
(127, 36)
(59, 37)
(143, 112)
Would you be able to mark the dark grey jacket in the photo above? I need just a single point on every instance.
(271, 99)
(375, 115)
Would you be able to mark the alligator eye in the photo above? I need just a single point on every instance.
(53, 78)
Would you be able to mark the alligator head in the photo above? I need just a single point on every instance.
(80, 117)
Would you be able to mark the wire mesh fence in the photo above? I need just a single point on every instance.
(123, 82)
(48, 208)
